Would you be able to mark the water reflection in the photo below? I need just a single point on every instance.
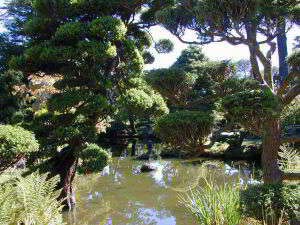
(123, 195)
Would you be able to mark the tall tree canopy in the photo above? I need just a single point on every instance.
(252, 23)
(94, 48)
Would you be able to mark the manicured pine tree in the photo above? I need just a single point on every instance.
(94, 47)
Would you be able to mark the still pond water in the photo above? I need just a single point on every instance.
(121, 195)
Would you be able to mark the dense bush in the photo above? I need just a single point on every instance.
(271, 201)
(15, 142)
(93, 158)
(174, 84)
(140, 102)
(252, 108)
(30, 200)
(186, 130)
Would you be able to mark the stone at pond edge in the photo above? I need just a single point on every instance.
(147, 168)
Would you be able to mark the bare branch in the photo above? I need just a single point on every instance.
(194, 42)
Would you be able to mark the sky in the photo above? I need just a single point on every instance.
(214, 51)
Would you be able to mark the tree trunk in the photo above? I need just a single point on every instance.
(133, 147)
(132, 125)
(66, 168)
(271, 144)
(252, 45)
(282, 51)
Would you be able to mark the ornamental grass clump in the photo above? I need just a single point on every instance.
(214, 204)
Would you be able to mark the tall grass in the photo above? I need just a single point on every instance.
(214, 204)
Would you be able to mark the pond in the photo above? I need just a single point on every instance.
(121, 194)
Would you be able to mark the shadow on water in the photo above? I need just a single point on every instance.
(121, 194)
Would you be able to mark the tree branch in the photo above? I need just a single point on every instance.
(254, 65)
(179, 37)
(291, 94)
(266, 61)
(292, 75)
(291, 176)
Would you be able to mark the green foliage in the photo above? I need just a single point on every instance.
(8, 48)
(134, 60)
(11, 101)
(137, 100)
(289, 158)
(141, 101)
(16, 142)
(216, 21)
(190, 57)
(294, 59)
(252, 108)
(164, 46)
(93, 158)
(70, 32)
(234, 85)
(108, 28)
(148, 58)
(291, 114)
(94, 49)
(173, 84)
(186, 130)
(214, 204)
(30, 200)
(192, 82)
(272, 201)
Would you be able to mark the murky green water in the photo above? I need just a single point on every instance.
(122, 195)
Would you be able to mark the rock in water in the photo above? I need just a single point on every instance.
(147, 168)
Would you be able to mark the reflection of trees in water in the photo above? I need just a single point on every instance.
(130, 198)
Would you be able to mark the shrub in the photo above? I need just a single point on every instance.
(214, 204)
(173, 84)
(141, 101)
(93, 158)
(15, 142)
(186, 130)
(291, 114)
(30, 200)
(252, 108)
(271, 201)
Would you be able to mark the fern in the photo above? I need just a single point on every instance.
(30, 200)
(289, 158)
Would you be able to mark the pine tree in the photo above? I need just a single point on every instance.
(94, 48)
(252, 23)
